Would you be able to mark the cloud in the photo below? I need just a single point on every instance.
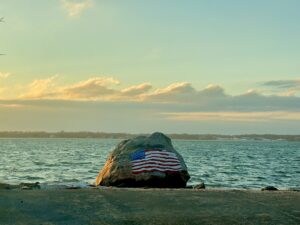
(139, 117)
(4, 75)
(38, 89)
(177, 101)
(137, 89)
(95, 102)
(173, 93)
(284, 87)
(283, 83)
(233, 116)
(106, 89)
(11, 105)
(97, 88)
(176, 88)
(94, 88)
(185, 93)
(213, 90)
(75, 8)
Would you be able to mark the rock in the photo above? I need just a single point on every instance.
(73, 187)
(269, 188)
(125, 166)
(7, 186)
(23, 186)
(30, 186)
(199, 186)
(294, 189)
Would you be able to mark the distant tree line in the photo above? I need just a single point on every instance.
(62, 134)
(103, 135)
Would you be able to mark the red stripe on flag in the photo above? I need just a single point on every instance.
(161, 157)
(156, 160)
(155, 163)
(163, 160)
(162, 151)
(155, 170)
(156, 166)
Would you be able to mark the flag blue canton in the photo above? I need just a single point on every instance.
(138, 155)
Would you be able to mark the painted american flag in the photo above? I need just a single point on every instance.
(154, 160)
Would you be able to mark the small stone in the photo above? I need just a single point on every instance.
(30, 186)
(293, 189)
(25, 188)
(72, 188)
(199, 186)
(269, 188)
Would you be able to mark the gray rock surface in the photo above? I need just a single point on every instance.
(121, 169)
(199, 186)
(269, 188)
(22, 186)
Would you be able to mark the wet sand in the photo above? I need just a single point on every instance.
(148, 206)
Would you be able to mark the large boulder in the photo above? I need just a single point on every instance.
(144, 162)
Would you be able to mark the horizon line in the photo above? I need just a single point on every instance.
(142, 133)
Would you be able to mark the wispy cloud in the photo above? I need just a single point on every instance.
(11, 105)
(233, 116)
(283, 83)
(137, 89)
(96, 88)
(75, 8)
(284, 87)
(38, 89)
(4, 75)
(175, 88)
(173, 93)
(91, 89)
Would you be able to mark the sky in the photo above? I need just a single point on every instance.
(222, 67)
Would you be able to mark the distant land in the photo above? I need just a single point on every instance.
(103, 135)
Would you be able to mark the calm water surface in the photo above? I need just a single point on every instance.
(220, 164)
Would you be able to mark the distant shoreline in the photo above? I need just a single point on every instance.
(104, 135)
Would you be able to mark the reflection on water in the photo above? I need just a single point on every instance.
(222, 164)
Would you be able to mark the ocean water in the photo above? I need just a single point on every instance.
(219, 164)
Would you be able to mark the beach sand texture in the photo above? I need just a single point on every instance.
(148, 206)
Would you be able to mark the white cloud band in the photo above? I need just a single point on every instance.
(233, 116)
(76, 8)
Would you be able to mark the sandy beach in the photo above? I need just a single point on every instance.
(148, 206)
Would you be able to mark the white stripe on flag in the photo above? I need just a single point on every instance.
(157, 167)
(155, 160)
(142, 162)
(154, 169)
